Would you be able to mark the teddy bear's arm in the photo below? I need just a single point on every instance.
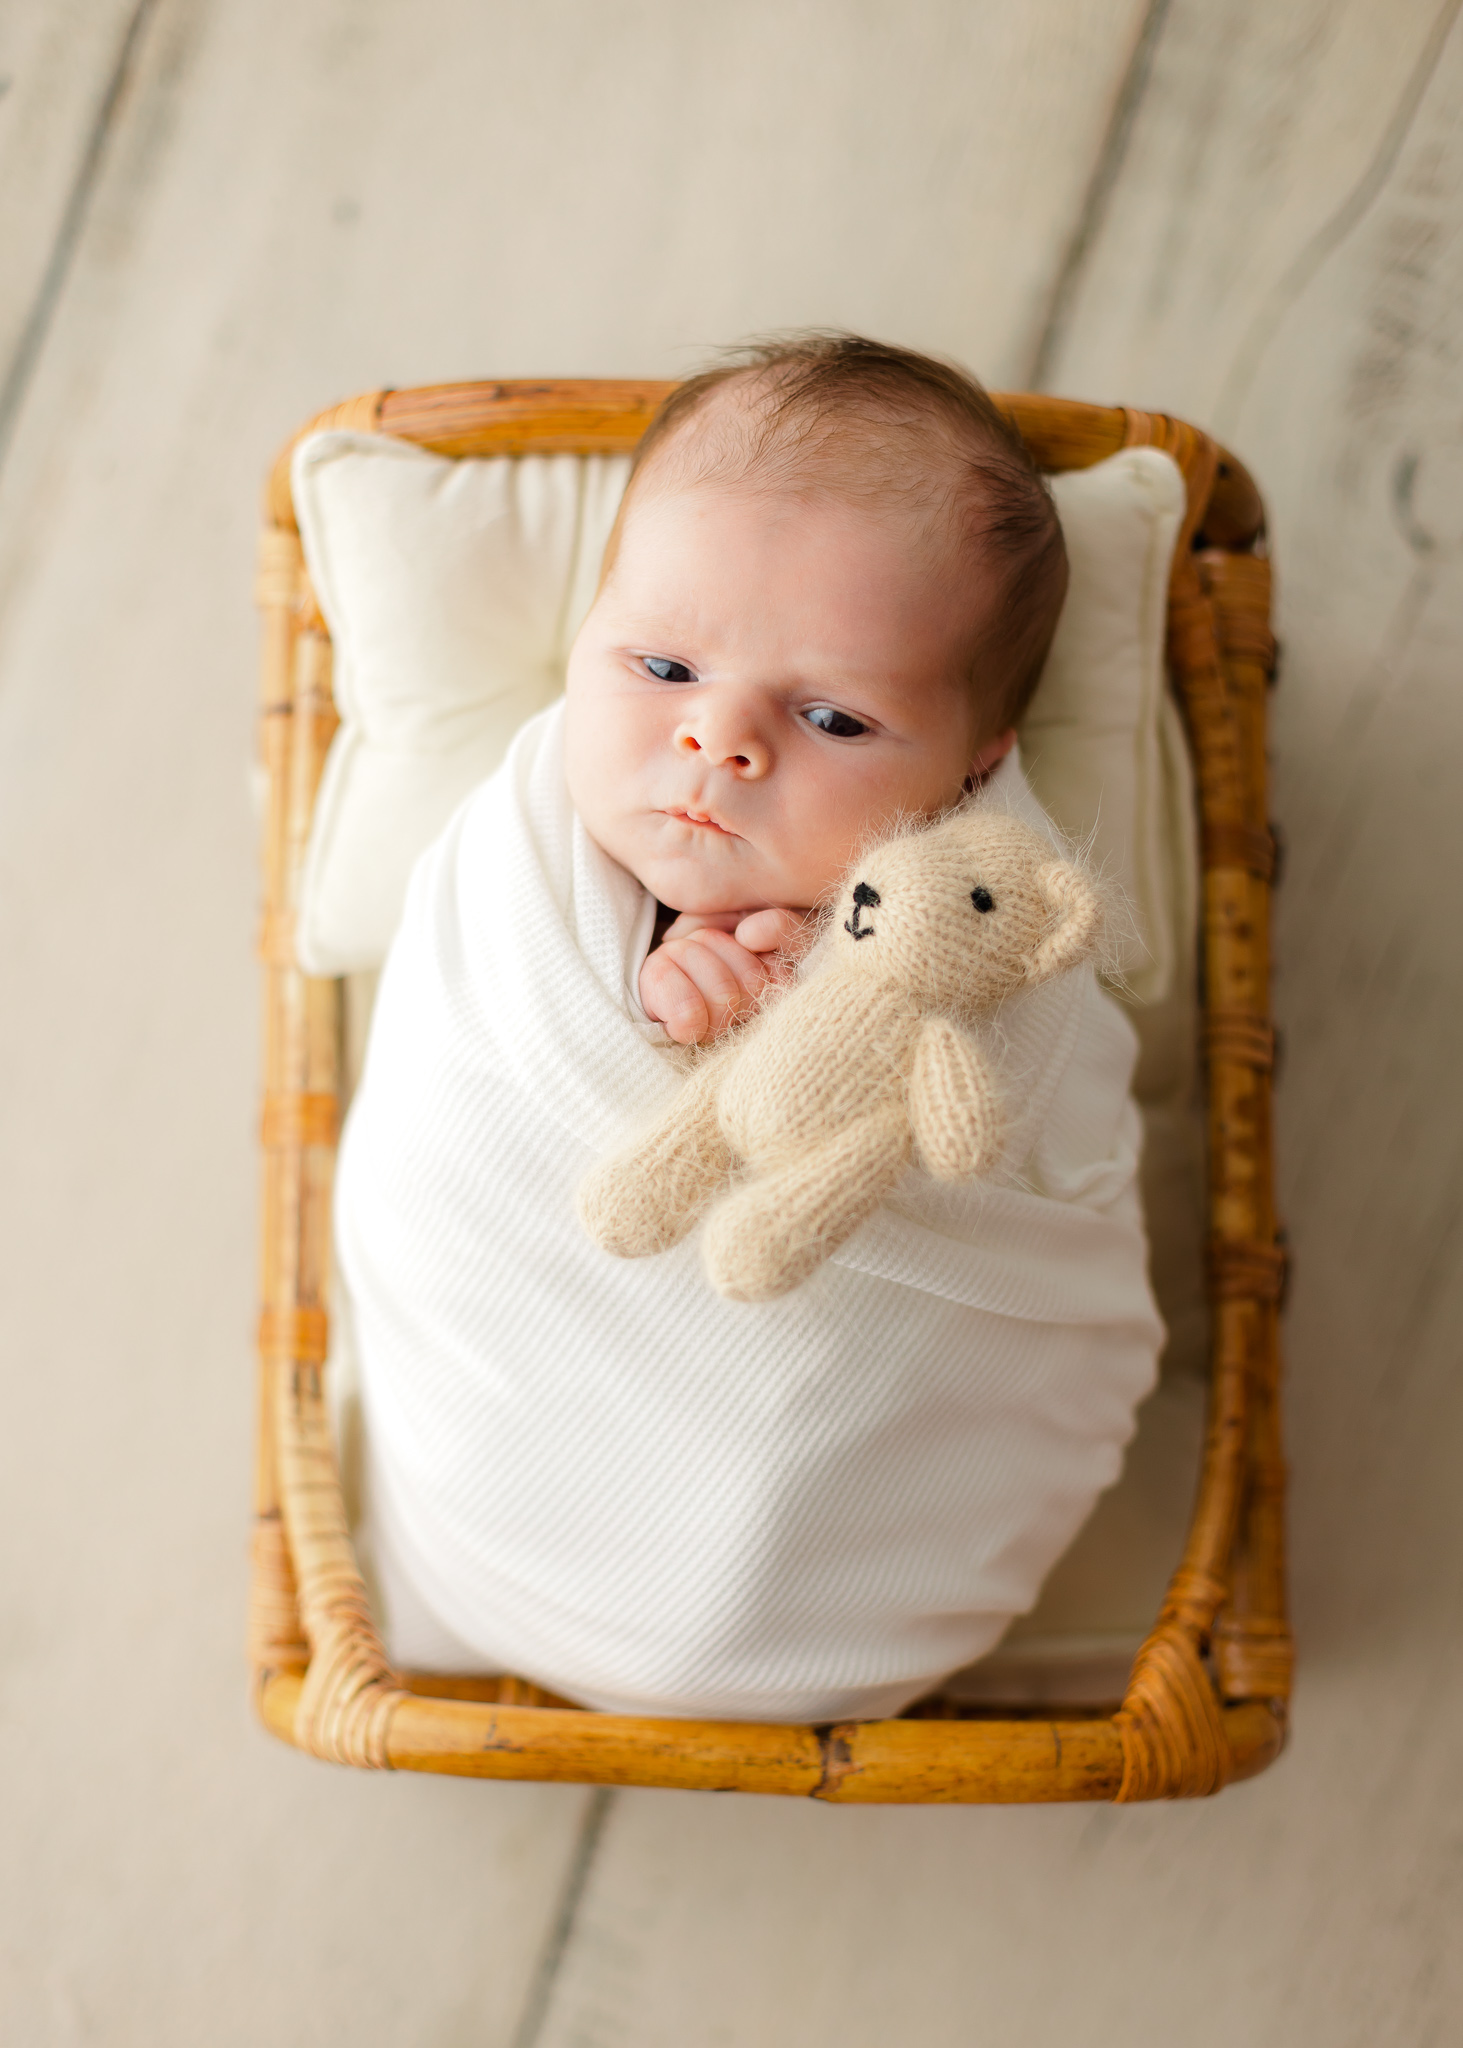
(649, 1198)
(954, 1111)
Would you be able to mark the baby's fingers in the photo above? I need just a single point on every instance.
(672, 1000)
(728, 977)
(769, 931)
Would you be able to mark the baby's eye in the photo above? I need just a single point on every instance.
(983, 900)
(668, 671)
(841, 724)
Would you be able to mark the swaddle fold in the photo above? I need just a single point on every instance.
(600, 1474)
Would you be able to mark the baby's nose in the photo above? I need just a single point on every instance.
(725, 743)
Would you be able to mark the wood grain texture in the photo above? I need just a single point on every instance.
(1263, 129)
(64, 72)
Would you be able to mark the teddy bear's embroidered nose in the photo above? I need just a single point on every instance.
(864, 898)
(983, 900)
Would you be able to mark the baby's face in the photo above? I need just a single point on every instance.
(760, 684)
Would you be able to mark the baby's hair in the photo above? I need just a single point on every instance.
(865, 420)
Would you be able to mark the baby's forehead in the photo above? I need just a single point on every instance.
(715, 524)
(747, 431)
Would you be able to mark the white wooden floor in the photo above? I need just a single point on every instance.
(217, 215)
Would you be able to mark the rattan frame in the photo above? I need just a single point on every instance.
(1206, 1702)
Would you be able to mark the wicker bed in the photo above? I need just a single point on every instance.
(1206, 1701)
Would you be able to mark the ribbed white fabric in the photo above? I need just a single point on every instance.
(596, 1472)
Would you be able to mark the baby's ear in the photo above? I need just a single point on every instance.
(1077, 908)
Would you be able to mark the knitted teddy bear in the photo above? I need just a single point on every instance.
(798, 1125)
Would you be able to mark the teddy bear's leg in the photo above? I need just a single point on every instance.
(646, 1200)
(766, 1236)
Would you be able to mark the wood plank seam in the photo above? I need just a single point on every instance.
(535, 2010)
(1106, 170)
(72, 225)
(1339, 224)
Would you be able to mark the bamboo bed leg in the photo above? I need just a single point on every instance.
(1171, 1720)
(311, 1605)
(1252, 1643)
(276, 1639)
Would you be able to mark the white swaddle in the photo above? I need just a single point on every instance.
(598, 1473)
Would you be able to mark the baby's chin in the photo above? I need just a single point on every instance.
(693, 901)
(693, 889)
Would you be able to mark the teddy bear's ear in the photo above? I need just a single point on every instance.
(1077, 909)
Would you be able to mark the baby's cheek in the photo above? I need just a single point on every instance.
(822, 825)
(856, 800)
(596, 761)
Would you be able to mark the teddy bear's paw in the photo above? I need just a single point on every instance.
(771, 1233)
(626, 1213)
(748, 1253)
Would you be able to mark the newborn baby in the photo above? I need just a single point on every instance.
(809, 625)
(827, 599)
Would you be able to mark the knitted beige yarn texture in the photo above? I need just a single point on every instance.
(790, 1134)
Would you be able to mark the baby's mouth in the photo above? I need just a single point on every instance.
(704, 819)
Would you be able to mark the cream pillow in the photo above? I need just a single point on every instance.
(1103, 742)
(453, 589)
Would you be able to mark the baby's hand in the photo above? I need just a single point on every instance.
(708, 971)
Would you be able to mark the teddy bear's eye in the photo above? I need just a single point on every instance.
(983, 900)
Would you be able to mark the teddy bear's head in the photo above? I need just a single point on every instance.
(965, 912)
